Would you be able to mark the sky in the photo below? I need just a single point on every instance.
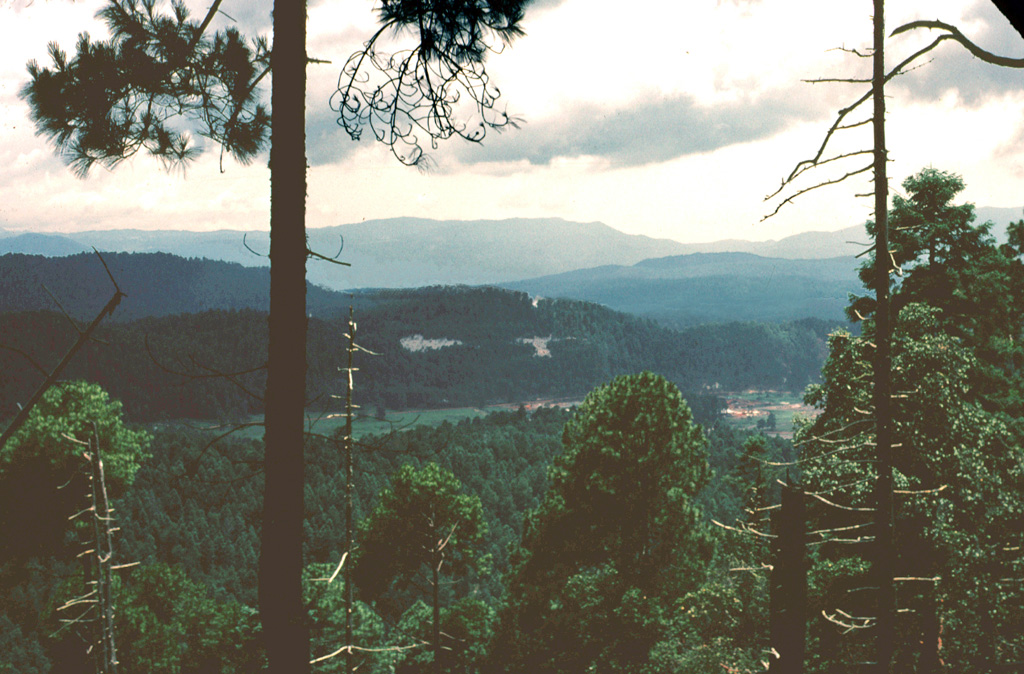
(668, 119)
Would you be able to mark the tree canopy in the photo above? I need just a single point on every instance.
(616, 541)
(957, 459)
(43, 477)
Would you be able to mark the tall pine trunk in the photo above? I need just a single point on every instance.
(885, 556)
(280, 572)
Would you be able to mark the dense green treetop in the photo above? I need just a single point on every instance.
(43, 474)
(422, 515)
(74, 410)
(954, 265)
(635, 459)
(957, 457)
(617, 540)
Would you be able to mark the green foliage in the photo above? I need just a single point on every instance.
(617, 538)
(422, 519)
(589, 345)
(72, 409)
(197, 507)
(168, 623)
(117, 96)
(22, 655)
(957, 448)
(326, 603)
(466, 629)
(977, 287)
(43, 474)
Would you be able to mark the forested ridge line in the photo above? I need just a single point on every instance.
(161, 367)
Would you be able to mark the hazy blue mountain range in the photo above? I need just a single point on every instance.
(655, 278)
(679, 291)
(413, 252)
(403, 252)
(30, 243)
(685, 290)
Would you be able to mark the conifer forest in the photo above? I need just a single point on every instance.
(209, 468)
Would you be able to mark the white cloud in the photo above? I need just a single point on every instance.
(703, 114)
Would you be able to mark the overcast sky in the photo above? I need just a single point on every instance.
(659, 117)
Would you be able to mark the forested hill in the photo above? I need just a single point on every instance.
(156, 284)
(438, 347)
(686, 290)
(678, 291)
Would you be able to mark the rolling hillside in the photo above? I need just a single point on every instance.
(438, 347)
(678, 291)
(688, 290)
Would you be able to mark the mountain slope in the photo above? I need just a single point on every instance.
(412, 252)
(438, 347)
(688, 290)
(679, 291)
(50, 245)
(156, 284)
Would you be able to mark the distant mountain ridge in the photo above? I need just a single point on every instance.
(679, 291)
(398, 253)
(156, 284)
(416, 252)
(687, 290)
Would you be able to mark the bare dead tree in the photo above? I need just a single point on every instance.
(349, 530)
(97, 619)
(884, 558)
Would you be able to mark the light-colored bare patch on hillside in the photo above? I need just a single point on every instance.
(416, 343)
(540, 345)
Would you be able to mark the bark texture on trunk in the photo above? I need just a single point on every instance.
(885, 558)
(280, 571)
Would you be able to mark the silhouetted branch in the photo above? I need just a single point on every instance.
(248, 248)
(431, 89)
(83, 337)
(32, 361)
(953, 33)
(210, 372)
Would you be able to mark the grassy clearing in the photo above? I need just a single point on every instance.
(746, 408)
(330, 424)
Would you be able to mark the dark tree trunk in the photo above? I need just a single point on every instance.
(280, 574)
(436, 563)
(885, 558)
(788, 589)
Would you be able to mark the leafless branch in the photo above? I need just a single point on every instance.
(743, 530)
(838, 125)
(349, 649)
(921, 491)
(841, 507)
(249, 248)
(953, 33)
(336, 571)
(83, 337)
(210, 372)
(32, 361)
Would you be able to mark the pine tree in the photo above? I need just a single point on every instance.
(617, 540)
